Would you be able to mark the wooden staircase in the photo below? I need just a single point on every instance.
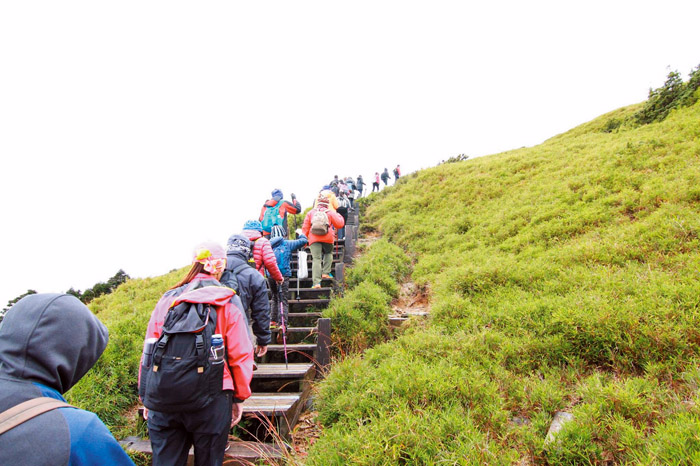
(280, 392)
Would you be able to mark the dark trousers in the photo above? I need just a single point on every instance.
(275, 302)
(172, 434)
(375, 185)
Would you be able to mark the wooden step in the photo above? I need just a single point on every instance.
(270, 404)
(301, 305)
(307, 282)
(271, 415)
(295, 335)
(304, 319)
(270, 371)
(296, 353)
(276, 378)
(310, 293)
(238, 452)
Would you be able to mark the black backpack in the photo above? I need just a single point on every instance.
(178, 375)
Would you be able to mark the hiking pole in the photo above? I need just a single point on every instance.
(284, 328)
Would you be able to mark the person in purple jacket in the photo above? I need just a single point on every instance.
(48, 342)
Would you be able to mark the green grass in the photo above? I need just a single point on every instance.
(359, 317)
(562, 277)
(110, 388)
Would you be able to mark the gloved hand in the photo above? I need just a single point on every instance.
(298, 232)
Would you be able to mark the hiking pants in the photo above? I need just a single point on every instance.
(207, 429)
(375, 185)
(275, 303)
(322, 261)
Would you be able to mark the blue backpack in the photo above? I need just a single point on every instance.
(272, 217)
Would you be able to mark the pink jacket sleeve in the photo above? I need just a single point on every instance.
(269, 260)
(239, 351)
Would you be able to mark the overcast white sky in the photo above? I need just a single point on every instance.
(132, 130)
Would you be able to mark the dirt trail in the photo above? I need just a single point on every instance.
(412, 301)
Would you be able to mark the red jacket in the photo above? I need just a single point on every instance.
(285, 208)
(264, 256)
(336, 221)
(229, 323)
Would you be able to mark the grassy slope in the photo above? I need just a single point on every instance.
(109, 389)
(563, 277)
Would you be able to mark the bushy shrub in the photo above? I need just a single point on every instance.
(673, 94)
(360, 318)
(384, 264)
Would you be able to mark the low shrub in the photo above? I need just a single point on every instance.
(384, 264)
(360, 318)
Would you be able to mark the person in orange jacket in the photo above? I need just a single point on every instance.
(321, 239)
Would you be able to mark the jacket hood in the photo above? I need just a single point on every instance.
(238, 245)
(272, 202)
(53, 339)
(252, 235)
(276, 241)
(218, 295)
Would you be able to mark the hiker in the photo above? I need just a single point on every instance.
(397, 173)
(283, 252)
(262, 251)
(173, 431)
(385, 177)
(275, 210)
(252, 290)
(360, 186)
(318, 227)
(343, 207)
(332, 198)
(375, 183)
(48, 342)
(350, 183)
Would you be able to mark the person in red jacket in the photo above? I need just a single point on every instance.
(276, 210)
(262, 251)
(172, 433)
(321, 244)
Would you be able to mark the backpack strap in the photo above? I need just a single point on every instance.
(27, 410)
(241, 267)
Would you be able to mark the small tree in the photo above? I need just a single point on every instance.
(673, 94)
(13, 302)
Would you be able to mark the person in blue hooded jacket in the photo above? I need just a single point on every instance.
(283, 249)
(48, 342)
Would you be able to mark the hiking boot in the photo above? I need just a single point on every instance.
(274, 325)
(316, 286)
(328, 276)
